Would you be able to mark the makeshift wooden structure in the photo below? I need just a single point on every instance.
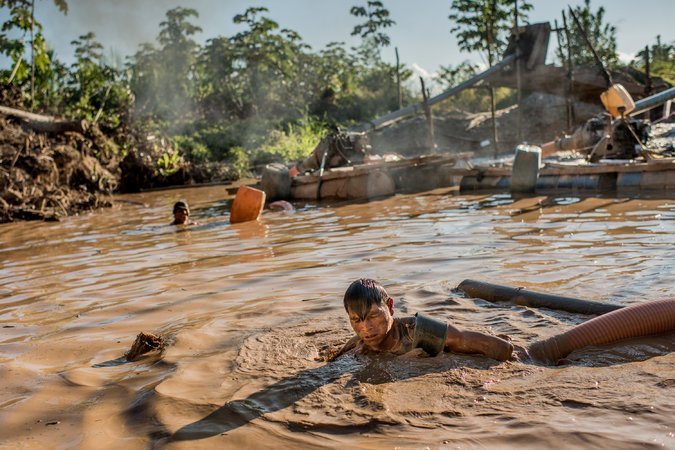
(377, 179)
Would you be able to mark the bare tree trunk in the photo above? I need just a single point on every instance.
(32, 56)
(648, 74)
(570, 76)
(398, 80)
(490, 43)
(45, 124)
(430, 118)
(493, 108)
(519, 128)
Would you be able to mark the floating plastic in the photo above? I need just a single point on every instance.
(247, 205)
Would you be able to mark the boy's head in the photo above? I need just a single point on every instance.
(181, 211)
(362, 294)
(370, 311)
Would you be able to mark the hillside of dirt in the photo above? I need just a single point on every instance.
(50, 175)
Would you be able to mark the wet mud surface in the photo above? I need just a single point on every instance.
(248, 312)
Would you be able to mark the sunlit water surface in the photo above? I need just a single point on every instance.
(248, 308)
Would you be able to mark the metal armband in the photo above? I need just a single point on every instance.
(430, 334)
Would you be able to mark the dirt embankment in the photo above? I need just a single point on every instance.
(47, 176)
(56, 173)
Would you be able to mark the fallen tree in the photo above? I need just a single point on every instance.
(45, 124)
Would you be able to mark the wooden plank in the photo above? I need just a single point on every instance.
(605, 168)
(364, 169)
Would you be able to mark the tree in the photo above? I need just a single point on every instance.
(377, 19)
(267, 59)
(34, 70)
(162, 78)
(484, 25)
(661, 60)
(602, 35)
(94, 89)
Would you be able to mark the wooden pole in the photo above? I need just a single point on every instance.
(519, 134)
(603, 70)
(32, 56)
(398, 80)
(430, 118)
(570, 77)
(648, 84)
(493, 107)
(568, 112)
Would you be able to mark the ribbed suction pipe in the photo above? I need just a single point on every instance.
(655, 317)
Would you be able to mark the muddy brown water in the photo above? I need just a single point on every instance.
(248, 308)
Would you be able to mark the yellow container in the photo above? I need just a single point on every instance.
(247, 205)
(616, 97)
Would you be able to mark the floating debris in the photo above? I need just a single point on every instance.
(144, 343)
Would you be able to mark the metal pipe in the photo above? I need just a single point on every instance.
(653, 101)
(523, 297)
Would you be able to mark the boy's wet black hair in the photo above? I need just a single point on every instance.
(362, 294)
(182, 204)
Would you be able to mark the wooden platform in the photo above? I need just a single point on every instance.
(376, 179)
(423, 173)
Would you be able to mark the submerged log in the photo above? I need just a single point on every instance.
(523, 297)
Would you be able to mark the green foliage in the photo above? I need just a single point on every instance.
(452, 76)
(163, 79)
(193, 150)
(602, 35)
(377, 18)
(35, 72)
(268, 63)
(662, 60)
(169, 162)
(259, 95)
(238, 161)
(477, 100)
(296, 142)
(484, 25)
(94, 90)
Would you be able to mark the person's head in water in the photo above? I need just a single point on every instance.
(181, 213)
(370, 310)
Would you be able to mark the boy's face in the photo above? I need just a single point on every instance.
(180, 216)
(375, 325)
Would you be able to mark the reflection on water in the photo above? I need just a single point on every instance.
(249, 308)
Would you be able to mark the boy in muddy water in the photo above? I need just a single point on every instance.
(181, 214)
(371, 315)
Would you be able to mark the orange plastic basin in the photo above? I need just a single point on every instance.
(247, 205)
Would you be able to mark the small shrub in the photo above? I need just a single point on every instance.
(295, 143)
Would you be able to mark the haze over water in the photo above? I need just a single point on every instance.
(248, 309)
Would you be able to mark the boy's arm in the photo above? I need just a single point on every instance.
(345, 348)
(475, 342)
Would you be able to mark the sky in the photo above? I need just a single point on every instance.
(421, 33)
